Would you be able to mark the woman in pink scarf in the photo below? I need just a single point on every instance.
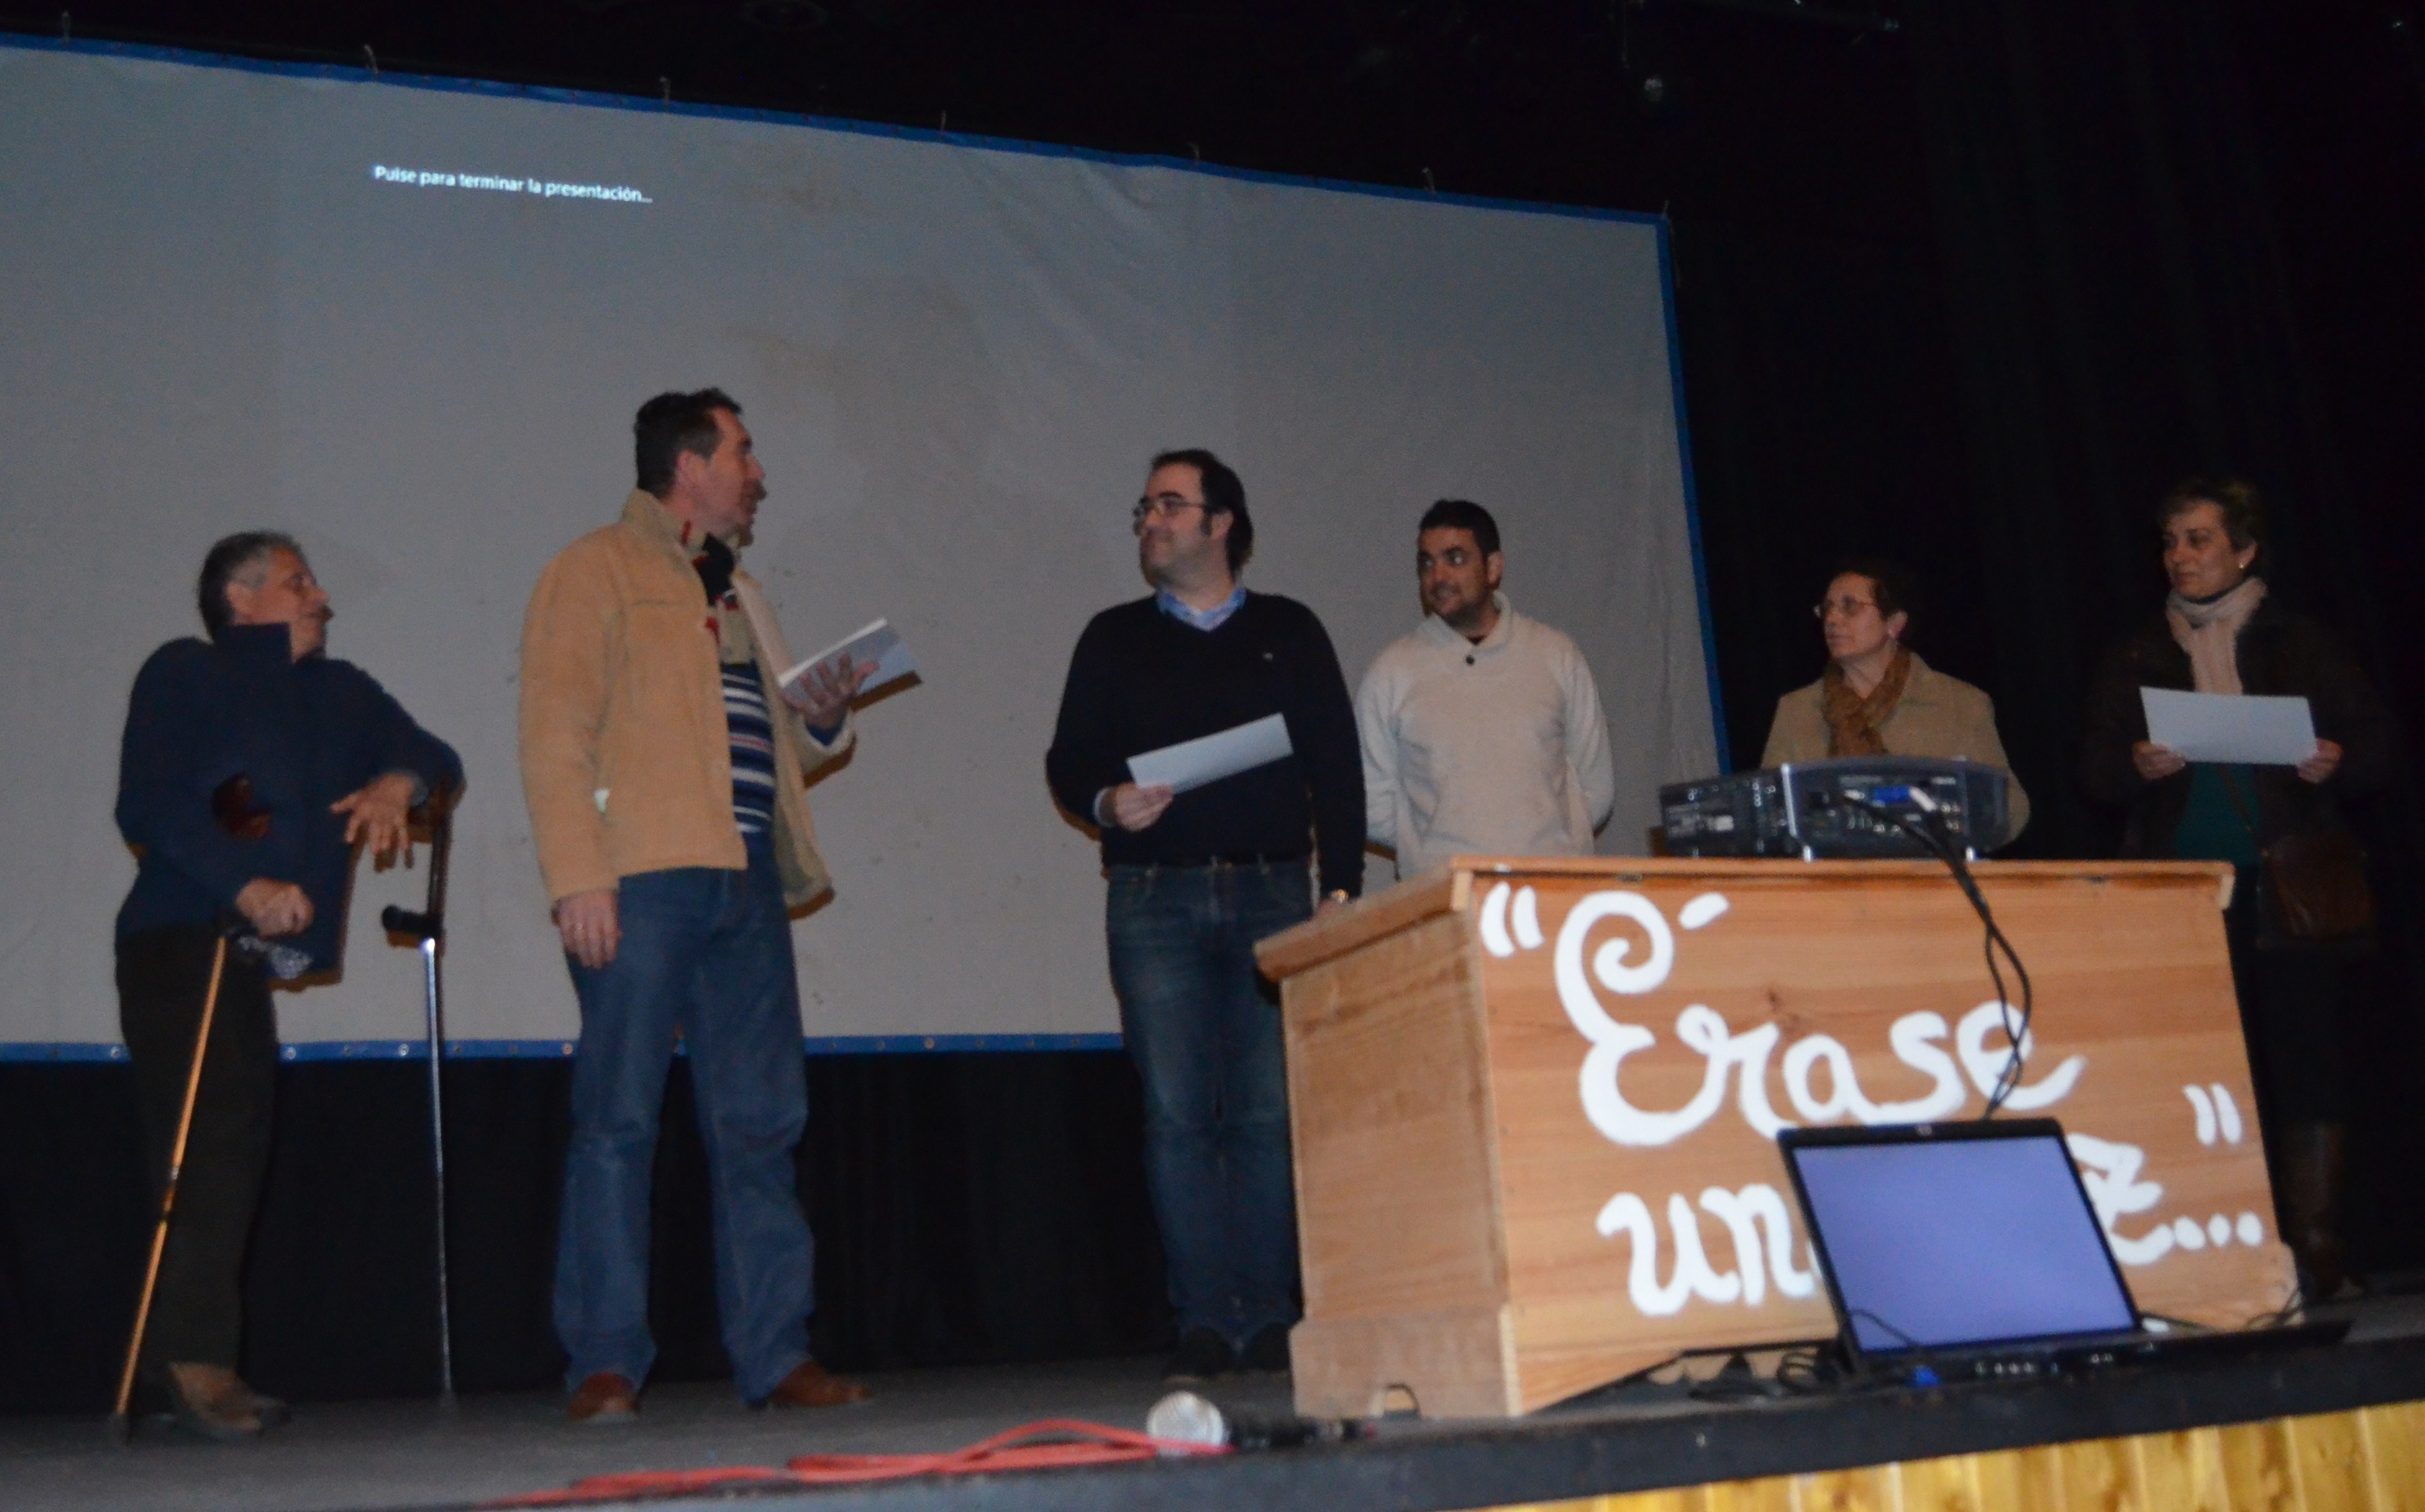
(2219, 634)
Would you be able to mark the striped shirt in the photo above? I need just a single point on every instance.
(753, 747)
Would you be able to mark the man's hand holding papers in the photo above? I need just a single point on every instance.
(823, 692)
(823, 687)
(1164, 773)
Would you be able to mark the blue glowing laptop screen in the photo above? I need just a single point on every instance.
(1937, 1243)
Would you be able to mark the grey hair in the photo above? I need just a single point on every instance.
(236, 559)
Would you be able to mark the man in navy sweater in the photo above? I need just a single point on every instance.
(253, 765)
(1197, 879)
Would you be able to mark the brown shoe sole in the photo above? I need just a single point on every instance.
(604, 1397)
(232, 1418)
(818, 1390)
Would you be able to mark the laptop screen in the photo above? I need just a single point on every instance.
(1932, 1242)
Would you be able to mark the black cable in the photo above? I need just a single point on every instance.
(1812, 1372)
(1900, 1337)
(1816, 1371)
(2290, 1307)
(1934, 840)
(1736, 1381)
(2009, 1080)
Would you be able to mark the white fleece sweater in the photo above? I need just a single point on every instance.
(1492, 749)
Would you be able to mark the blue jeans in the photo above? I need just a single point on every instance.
(1204, 1030)
(708, 951)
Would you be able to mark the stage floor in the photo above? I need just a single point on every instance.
(407, 1454)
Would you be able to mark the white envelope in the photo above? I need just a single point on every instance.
(1212, 757)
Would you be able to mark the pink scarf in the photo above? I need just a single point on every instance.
(2209, 632)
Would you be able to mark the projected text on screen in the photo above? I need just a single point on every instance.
(544, 188)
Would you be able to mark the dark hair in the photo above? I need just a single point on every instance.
(225, 562)
(1889, 584)
(672, 423)
(1223, 495)
(1463, 515)
(2244, 512)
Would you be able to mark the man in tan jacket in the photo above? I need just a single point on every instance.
(665, 767)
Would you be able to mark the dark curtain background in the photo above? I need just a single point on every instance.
(1824, 424)
(2157, 238)
(967, 1209)
(2127, 308)
(2123, 317)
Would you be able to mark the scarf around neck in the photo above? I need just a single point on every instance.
(713, 562)
(1852, 720)
(2209, 632)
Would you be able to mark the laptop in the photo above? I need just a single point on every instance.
(1969, 1250)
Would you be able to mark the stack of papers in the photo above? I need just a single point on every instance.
(879, 643)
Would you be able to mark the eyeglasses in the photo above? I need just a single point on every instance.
(1842, 608)
(1167, 505)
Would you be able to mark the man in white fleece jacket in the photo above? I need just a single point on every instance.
(1482, 730)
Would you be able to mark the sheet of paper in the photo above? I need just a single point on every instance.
(1211, 758)
(878, 643)
(2279, 732)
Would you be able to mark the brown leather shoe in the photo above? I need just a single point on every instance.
(212, 1401)
(811, 1385)
(604, 1397)
(272, 1412)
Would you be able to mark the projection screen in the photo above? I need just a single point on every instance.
(409, 319)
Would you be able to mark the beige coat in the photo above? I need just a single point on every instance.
(627, 763)
(1936, 716)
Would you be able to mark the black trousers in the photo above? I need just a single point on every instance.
(2291, 1013)
(197, 1309)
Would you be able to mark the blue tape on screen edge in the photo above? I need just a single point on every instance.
(42, 1053)
(45, 1053)
(1692, 494)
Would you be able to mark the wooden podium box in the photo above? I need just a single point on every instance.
(1534, 1102)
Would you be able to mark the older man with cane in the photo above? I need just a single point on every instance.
(253, 766)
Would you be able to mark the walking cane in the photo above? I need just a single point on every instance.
(428, 927)
(118, 1427)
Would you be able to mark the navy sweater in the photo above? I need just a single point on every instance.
(307, 733)
(1140, 680)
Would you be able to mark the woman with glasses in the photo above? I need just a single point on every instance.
(1877, 698)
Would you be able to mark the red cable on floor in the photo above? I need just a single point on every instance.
(1051, 1444)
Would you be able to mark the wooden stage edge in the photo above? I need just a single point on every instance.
(2319, 1429)
(2368, 1460)
(2338, 1429)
